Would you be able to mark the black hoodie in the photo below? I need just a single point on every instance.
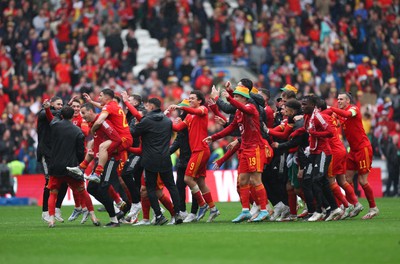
(156, 131)
(44, 138)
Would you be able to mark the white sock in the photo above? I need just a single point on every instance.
(114, 219)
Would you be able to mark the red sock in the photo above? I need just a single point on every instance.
(52, 203)
(292, 200)
(77, 199)
(86, 198)
(89, 168)
(209, 200)
(99, 170)
(84, 164)
(145, 207)
(338, 194)
(338, 202)
(199, 198)
(253, 196)
(261, 196)
(167, 204)
(369, 194)
(350, 194)
(245, 196)
(113, 194)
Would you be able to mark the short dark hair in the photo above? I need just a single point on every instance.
(288, 94)
(137, 98)
(265, 91)
(155, 101)
(55, 98)
(76, 101)
(118, 99)
(108, 92)
(88, 106)
(247, 83)
(321, 104)
(200, 96)
(67, 112)
(311, 98)
(293, 104)
(348, 95)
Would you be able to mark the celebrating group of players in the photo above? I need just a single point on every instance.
(295, 150)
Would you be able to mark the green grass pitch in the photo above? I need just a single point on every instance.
(24, 238)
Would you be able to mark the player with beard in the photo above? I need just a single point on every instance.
(359, 159)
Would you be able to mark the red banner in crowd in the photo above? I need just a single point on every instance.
(221, 183)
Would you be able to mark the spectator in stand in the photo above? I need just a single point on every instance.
(204, 81)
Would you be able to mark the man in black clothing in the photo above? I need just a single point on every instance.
(388, 150)
(68, 149)
(156, 131)
(43, 157)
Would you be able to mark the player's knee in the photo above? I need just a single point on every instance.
(363, 179)
(189, 180)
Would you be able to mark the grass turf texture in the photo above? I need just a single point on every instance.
(26, 239)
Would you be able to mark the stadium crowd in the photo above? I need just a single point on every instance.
(52, 48)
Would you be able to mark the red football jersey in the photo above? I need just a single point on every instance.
(77, 120)
(335, 142)
(117, 118)
(248, 124)
(318, 122)
(354, 130)
(270, 116)
(197, 127)
(82, 124)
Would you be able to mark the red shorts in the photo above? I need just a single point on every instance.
(197, 165)
(269, 152)
(126, 143)
(360, 160)
(55, 183)
(252, 160)
(160, 184)
(338, 164)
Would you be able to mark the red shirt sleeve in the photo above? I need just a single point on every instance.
(194, 111)
(85, 128)
(136, 151)
(281, 134)
(328, 128)
(227, 155)
(133, 111)
(226, 131)
(216, 111)
(179, 127)
(49, 115)
(343, 113)
(298, 132)
(247, 109)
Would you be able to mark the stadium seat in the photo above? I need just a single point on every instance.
(141, 33)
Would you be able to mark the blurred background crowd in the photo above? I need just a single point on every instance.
(70, 47)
